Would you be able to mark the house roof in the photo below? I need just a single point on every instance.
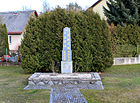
(96, 3)
(16, 20)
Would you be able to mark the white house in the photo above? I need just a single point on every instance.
(98, 8)
(16, 22)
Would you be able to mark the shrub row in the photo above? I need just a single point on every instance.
(41, 47)
(125, 40)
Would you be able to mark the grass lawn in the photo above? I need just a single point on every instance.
(121, 83)
(12, 82)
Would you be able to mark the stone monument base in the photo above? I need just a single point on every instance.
(74, 80)
(66, 67)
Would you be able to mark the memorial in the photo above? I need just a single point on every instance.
(66, 77)
(66, 63)
(65, 86)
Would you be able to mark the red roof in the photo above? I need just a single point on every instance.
(36, 14)
(16, 32)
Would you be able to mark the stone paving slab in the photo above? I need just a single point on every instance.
(63, 95)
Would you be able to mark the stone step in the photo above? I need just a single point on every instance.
(58, 79)
(77, 80)
(72, 76)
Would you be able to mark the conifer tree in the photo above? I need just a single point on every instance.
(122, 11)
(42, 45)
(29, 48)
(3, 39)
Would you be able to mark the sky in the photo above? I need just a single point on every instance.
(17, 5)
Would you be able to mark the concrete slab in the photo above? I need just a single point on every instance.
(55, 79)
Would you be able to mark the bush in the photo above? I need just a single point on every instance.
(3, 40)
(126, 50)
(125, 40)
(41, 48)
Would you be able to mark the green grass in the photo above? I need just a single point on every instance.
(121, 83)
(12, 83)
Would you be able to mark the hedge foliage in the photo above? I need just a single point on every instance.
(41, 47)
(125, 40)
(3, 39)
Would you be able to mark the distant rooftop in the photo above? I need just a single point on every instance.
(16, 21)
(96, 3)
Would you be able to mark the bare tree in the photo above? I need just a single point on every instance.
(46, 6)
(25, 8)
(73, 6)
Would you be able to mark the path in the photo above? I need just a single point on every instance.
(63, 95)
(71, 93)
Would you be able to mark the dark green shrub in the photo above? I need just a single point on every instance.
(125, 40)
(3, 40)
(41, 48)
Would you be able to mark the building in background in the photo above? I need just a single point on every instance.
(98, 8)
(16, 22)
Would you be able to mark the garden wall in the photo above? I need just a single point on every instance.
(126, 60)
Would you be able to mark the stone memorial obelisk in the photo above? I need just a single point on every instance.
(66, 63)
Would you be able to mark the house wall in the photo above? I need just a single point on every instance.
(99, 9)
(15, 41)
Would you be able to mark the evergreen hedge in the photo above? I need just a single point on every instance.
(125, 40)
(3, 39)
(41, 48)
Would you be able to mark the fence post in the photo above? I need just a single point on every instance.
(114, 61)
(6, 56)
(137, 48)
(139, 59)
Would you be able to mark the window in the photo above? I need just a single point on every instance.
(10, 39)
